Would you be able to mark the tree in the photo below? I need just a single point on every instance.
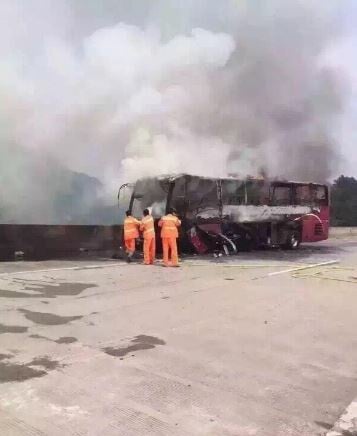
(344, 201)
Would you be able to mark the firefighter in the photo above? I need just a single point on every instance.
(169, 233)
(131, 232)
(148, 229)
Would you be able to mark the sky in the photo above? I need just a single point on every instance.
(124, 89)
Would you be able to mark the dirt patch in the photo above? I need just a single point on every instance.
(45, 362)
(14, 372)
(39, 337)
(61, 340)
(16, 294)
(148, 340)
(46, 290)
(12, 329)
(324, 425)
(140, 342)
(18, 372)
(66, 340)
(50, 290)
(48, 318)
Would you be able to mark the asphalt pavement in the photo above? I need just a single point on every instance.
(262, 343)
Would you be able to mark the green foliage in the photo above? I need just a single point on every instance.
(344, 202)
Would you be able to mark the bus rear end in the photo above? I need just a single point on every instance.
(315, 224)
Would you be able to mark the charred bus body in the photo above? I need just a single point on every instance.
(230, 214)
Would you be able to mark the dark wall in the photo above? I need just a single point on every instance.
(46, 241)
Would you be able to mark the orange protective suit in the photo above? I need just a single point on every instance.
(130, 245)
(131, 232)
(169, 234)
(148, 229)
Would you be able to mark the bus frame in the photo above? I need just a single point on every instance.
(232, 214)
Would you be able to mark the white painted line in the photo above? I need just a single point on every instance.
(69, 268)
(301, 268)
(347, 423)
(237, 265)
(110, 265)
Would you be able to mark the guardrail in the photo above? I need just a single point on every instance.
(342, 231)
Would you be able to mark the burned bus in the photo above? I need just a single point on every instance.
(230, 214)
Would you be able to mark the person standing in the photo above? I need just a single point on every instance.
(131, 233)
(169, 233)
(148, 229)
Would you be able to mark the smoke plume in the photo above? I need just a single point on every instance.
(240, 87)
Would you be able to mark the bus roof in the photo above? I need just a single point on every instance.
(172, 177)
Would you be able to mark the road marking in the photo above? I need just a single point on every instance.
(301, 268)
(321, 277)
(110, 265)
(69, 268)
(210, 264)
(347, 423)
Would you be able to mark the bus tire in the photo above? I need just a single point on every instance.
(293, 240)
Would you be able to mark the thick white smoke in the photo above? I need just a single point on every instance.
(127, 101)
(98, 108)
(87, 106)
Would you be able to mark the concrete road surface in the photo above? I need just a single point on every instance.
(252, 345)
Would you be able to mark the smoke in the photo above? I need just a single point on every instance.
(278, 101)
(239, 87)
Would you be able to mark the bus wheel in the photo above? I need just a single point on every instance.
(293, 240)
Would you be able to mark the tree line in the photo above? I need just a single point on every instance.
(344, 202)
